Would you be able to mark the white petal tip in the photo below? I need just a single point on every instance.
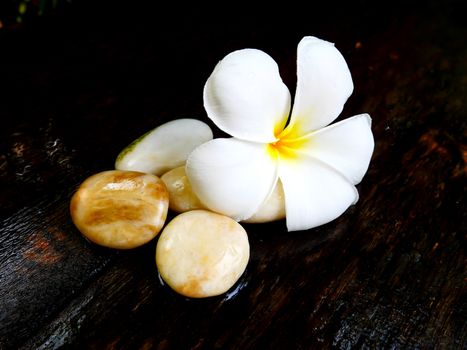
(367, 117)
(314, 39)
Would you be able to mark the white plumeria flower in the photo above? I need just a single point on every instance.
(318, 165)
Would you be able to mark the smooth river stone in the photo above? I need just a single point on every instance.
(272, 209)
(202, 254)
(182, 198)
(120, 209)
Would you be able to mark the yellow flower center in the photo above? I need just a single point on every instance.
(287, 143)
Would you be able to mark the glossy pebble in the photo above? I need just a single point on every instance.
(272, 209)
(120, 209)
(181, 196)
(201, 254)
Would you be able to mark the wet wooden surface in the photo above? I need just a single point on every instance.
(390, 273)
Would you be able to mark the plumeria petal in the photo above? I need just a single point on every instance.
(315, 193)
(346, 146)
(165, 147)
(245, 96)
(324, 84)
(231, 176)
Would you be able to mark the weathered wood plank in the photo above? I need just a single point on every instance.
(390, 273)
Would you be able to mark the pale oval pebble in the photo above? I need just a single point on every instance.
(120, 209)
(181, 196)
(272, 209)
(165, 147)
(201, 254)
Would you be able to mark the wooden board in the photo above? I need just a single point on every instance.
(390, 273)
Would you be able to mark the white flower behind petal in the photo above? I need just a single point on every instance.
(317, 165)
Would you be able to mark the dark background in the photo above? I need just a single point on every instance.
(81, 81)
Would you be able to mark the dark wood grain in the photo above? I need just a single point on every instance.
(390, 273)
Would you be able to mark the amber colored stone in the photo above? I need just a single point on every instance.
(182, 198)
(120, 209)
